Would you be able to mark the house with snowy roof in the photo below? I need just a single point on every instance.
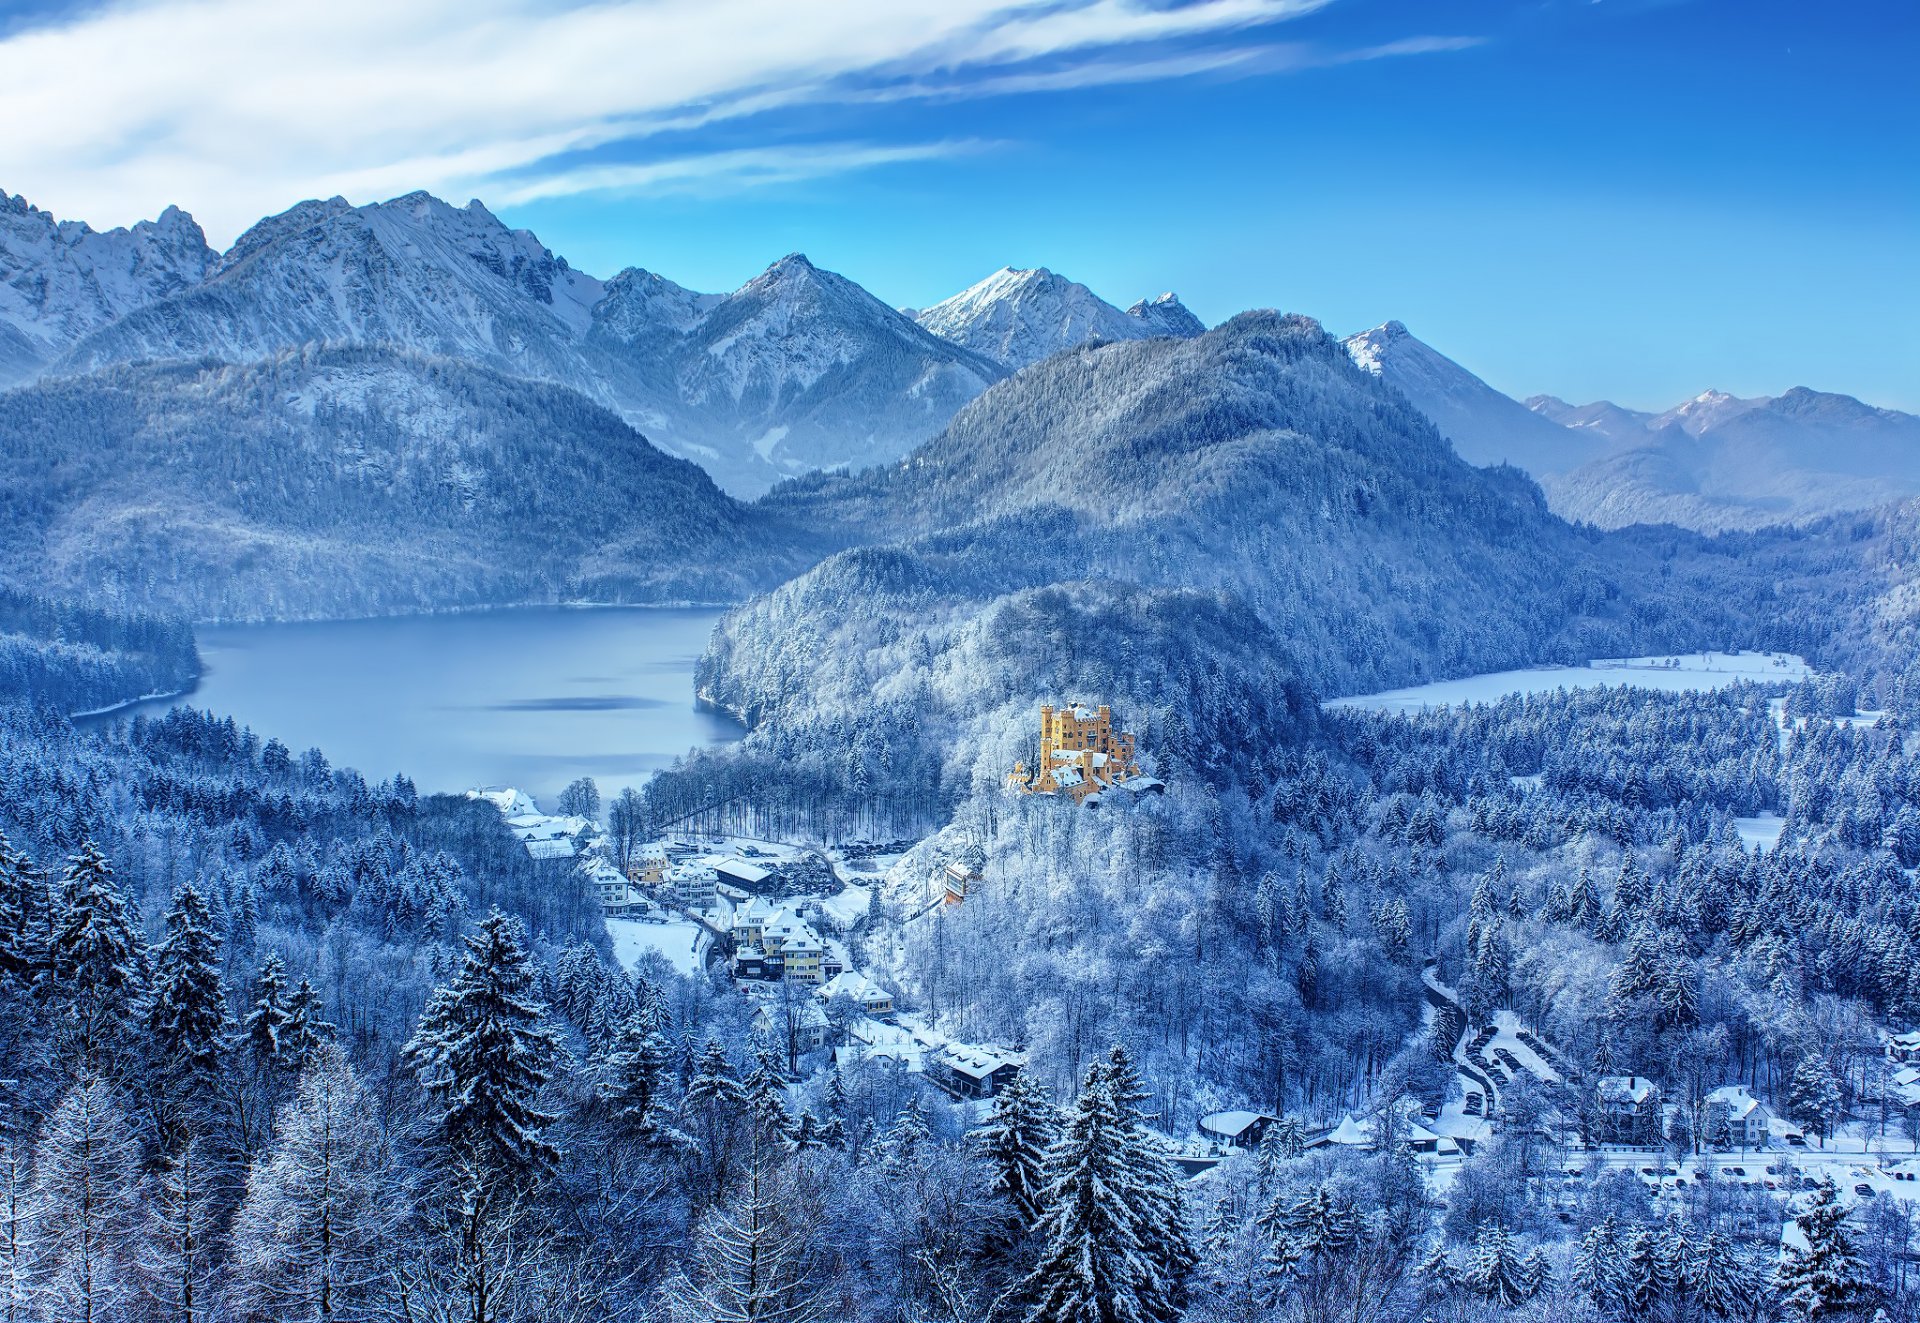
(1627, 1110)
(1744, 1117)
(610, 885)
(968, 1072)
(868, 995)
(1236, 1129)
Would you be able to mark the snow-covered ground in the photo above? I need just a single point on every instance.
(1760, 832)
(681, 941)
(850, 906)
(1675, 674)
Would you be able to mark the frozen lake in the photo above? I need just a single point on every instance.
(530, 697)
(1682, 671)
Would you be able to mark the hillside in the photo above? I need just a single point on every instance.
(354, 481)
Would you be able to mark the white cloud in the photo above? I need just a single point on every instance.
(236, 108)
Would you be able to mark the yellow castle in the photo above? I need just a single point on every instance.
(1080, 755)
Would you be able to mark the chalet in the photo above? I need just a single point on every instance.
(1627, 1110)
(1236, 1129)
(973, 1072)
(1744, 1116)
(1904, 1047)
(868, 995)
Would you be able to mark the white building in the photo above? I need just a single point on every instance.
(609, 883)
(693, 886)
(871, 997)
(1744, 1115)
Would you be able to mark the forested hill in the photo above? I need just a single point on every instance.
(77, 658)
(1259, 460)
(350, 481)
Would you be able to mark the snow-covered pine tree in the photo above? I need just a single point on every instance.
(1495, 1269)
(98, 965)
(635, 1076)
(766, 1103)
(1014, 1142)
(1164, 1216)
(86, 1212)
(24, 905)
(1827, 1277)
(307, 1028)
(484, 1050)
(311, 1237)
(1814, 1099)
(267, 1021)
(714, 1111)
(1600, 1266)
(1718, 1279)
(186, 1015)
(1097, 1266)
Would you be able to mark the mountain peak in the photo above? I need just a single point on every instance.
(1020, 315)
(1165, 314)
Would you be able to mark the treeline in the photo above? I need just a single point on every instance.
(77, 658)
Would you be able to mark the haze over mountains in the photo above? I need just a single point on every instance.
(1712, 463)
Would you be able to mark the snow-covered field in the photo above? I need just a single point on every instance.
(1675, 674)
(849, 906)
(1761, 832)
(681, 941)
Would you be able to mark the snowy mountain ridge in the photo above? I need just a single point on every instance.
(60, 280)
(1018, 317)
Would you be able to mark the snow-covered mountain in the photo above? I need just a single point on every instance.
(1719, 462)
(799, 369)
(413, 273)
(60, 280)
(1165, 314)
(1485, 426)
(1020, 317)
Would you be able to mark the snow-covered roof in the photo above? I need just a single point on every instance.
(979, 1062)
(1231, 1125)
(560, 849)
(1350, 1132)
(1625, 1088)
(741, 871)
(855, 985)
(1735, 1098)
(509, 801)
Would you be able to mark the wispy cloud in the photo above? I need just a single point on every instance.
(238, 107)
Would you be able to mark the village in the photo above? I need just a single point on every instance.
(776, 917)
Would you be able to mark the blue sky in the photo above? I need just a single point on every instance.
(1630, 198)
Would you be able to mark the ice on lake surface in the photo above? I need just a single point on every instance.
(1674, 674)
(531, 697)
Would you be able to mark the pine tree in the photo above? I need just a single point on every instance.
(267, 1022)
(1495, 1270)
(1014, 1142)
(483, 1048)
(1097, 1265)
(1600, 1268)
(87, 1220)
(24, 903)
(1159, 1182)
(635, 1077)
(310, 1238)
(1814, 1099)
(766, 1104)
(307, 1029)
(97, 965)
(1717, 1278)
(187, 1013)
(1828, 1276)
(715, 1110)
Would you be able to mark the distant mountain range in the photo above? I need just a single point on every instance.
(1713, 463)
(799, 369)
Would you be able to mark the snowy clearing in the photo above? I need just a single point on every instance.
(1675, 674)
(681, 941)
(849, 906)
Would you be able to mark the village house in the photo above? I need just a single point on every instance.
(610, 885)
(973, 1072)
(1744, 1117)
(1904, 1047)
(807, 1020)
(691, 886)
(868, 995)
(648, 864)
(1080, 755)
(1627, 1110)
(742, 873)
(1236, 1129)
(778, 944)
